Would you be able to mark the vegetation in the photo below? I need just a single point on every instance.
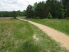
(29, 12)
(13, 33)
(10, 13)
(5, 13)
(49, 16)
(17, 36)
(58, 9)
(14, 14)
(58, 24)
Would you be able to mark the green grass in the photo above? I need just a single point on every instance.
(13, 33)
(17, 36)
(58, 24)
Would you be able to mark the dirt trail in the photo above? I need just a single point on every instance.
(56, 35)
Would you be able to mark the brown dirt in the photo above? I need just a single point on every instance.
(56, 35)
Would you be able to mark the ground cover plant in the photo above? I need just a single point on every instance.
(18, 36)
(58, 24)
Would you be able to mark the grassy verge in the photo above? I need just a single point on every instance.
(58, 24)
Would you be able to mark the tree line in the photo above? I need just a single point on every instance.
(48, 9)
(10, 13)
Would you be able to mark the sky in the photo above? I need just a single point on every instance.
(10, 5)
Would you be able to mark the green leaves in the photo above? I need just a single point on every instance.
(49, 16)
(29, 11)
(14, 14)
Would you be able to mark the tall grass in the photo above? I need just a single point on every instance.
(13, 33)
(58, 24)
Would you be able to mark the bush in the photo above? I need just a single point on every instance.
(49, 16)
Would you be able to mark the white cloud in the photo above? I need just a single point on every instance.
(9, 5)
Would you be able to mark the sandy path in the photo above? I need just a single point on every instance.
(56, 35)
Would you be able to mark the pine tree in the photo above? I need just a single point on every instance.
(29, 11)
(49, 16)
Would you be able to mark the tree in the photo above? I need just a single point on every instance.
(5, 13)
(43, 9)
(61, 12)
(67, 10)
(39, 10)
(14, 14)
(51, 7)
(24, 13)
(29, 12)
(64, 2)
(19, 13)
(35, 5)
(49, 16)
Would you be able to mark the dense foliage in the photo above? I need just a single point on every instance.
(57, 9)
(10, 13)
(5, 13)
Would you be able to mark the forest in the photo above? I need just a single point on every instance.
(51, 9)
(10, 13)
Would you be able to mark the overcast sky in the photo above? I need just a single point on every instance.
(10, 5)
